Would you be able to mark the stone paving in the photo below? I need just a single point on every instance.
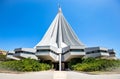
(60, 75)
(57, 75)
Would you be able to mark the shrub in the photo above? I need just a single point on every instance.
(92, 64)
(3, 58)
(74, 61)
(25, 65)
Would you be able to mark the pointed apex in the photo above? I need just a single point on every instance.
(59, 8)
(60, 34)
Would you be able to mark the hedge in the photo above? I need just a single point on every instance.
(24, 65)
(92, 64)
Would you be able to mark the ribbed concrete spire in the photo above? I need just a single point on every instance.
(60, 33)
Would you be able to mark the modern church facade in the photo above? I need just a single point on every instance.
(60, 44)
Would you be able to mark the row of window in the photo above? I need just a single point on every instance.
(10, 53)
(43, 50)
(46, 51)
(79, 50)
(111, 52)
(97, 51)
(24, 52)
(75, 50)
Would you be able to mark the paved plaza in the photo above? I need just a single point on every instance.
(57, 75)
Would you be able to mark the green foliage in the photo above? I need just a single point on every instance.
(92, 64)
(89, 60)
(74, 61)
(25, 65)
(3, 58)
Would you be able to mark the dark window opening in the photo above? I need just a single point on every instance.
(24, 52)
(97, 51)
(81, 50)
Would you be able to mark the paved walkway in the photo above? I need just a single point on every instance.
(76, 75)
(57, 75)
(31, 75)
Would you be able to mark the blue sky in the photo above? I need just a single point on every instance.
(24, 22)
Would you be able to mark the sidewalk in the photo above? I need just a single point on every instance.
(60, 75)
(57, 75)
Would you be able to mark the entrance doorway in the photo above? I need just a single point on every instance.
(56, 66)
(64, 66)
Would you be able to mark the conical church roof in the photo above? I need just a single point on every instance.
(60, 34)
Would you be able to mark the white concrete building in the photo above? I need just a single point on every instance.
(60, 44)
(10, 55)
